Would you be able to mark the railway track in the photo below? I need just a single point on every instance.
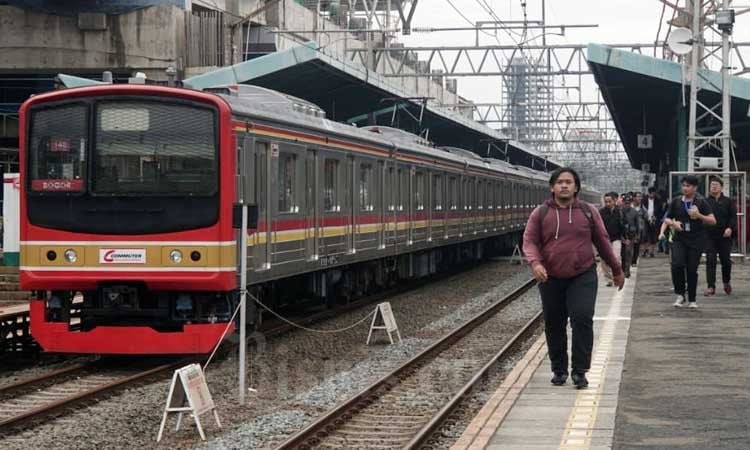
(35, 399)
(276, 328)
(404, 408)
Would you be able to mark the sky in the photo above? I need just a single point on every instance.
(620, 21)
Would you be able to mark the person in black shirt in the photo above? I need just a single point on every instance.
(688, 216)
(615, 225)
(720, 237)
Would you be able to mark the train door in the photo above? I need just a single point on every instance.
(382, 204)
(261, 239)
(365, 223)
(350, 206)
(411, 207)
(482, 210)
(312, 205)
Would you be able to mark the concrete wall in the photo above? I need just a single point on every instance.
(149, 39)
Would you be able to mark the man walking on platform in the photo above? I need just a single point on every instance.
(614, 223)
(642, 221)
(632, 230)
(558, 244)
(720, 237)
(687, 216)
(652, 206)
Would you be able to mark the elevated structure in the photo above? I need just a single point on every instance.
(646, 97)
(351, 93)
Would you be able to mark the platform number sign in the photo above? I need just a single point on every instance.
(188, 392)
(646, 141)
(387, 323)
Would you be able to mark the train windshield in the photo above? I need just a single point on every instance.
(138, 148)
(58, 149)
(150, 148)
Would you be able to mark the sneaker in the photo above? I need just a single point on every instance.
(559, 379)
(579, 380)
(693, 305)
(680, 302)
(710, 292)
(610, 284)
(651, 254)
(728, 289)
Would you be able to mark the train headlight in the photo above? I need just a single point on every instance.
(175, 256)
(70, 255)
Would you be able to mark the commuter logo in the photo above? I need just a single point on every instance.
(122, 256)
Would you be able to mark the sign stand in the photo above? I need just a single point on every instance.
(516, 254)
(188, 385)
(389, 322)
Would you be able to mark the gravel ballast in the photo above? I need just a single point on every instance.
(297, 376)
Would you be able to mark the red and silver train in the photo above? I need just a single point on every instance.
(127, 203)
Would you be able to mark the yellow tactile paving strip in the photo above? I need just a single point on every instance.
(580, 429)
(580, 426)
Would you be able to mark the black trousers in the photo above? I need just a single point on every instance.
(723, 246)
(636, 252)
(626, 255)
(685, 260)
(572, 298)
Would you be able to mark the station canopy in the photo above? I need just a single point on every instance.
(647, 96)
(351, 93)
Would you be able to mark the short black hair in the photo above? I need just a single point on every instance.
(638, 193)
(651, 189)
(718, 180)
(612, 195)
(556, 174)
(692, 180)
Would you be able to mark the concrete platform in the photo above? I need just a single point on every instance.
(527, 412)
(686, 382)
(661, 378)
(13, 310)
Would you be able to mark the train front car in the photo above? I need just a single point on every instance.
(126, 208)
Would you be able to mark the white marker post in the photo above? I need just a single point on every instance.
(389, 322)
(188, 385)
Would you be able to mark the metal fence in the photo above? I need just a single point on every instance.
(205, 31)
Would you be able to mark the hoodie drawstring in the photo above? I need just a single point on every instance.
(570, 219)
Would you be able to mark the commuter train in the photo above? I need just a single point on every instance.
(128, 211)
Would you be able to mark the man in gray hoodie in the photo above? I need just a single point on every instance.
(558, 244)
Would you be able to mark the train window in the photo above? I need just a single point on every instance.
(437, 192)
(286, 183)
(480, 195)
(490, 195)
(419, 191)
(330, 177)
(403, 189)
(154, 148)
(452, 193)
(57, 148)
(365, 188)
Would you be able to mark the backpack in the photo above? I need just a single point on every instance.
(585, 207)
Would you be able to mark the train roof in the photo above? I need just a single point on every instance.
(267, 104)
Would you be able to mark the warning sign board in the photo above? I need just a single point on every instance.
(388, 322)
(188, 392)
